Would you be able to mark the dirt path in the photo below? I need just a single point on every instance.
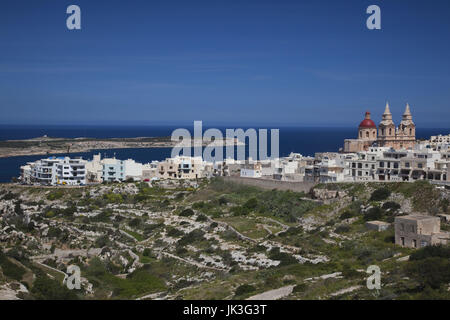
(346, 290)
(273, 294)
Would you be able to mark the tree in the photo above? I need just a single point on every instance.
(380, 194)
(374, 213)
(187, 212)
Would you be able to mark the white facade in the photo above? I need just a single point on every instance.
(55, 171)
(94, 169)
(251, 170)
(115, 170)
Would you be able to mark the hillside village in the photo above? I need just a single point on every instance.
(296, 227)
(428, 160)
(383, 153)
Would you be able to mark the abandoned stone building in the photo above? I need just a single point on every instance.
(416, 231)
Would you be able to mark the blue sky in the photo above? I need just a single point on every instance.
(278, 63)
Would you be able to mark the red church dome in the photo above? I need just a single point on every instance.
(367, 122)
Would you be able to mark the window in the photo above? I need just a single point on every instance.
(402, 241)
(414, 243)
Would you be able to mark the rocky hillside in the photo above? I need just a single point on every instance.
(215, 240)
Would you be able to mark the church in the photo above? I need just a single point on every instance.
(386, 135)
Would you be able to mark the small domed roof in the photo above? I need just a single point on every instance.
(367, 122)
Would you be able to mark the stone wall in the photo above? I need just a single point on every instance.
(273, 184)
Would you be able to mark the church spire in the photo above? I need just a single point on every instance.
(407, 110)
(387, 111)
(407, 116)
(386, 118)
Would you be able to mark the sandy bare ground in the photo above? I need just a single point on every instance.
(273, 294)
(346, 290)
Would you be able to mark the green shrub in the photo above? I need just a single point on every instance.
(180, 251)
(391, 205)
(346, 215)
(102, 241)
(291, 231)
(198, 205)
(342, 228)
(284, 258)
(10, 196)
(54, 232)
(135, 223)
(432, 271)
(223, 201)
(45, 288)
(251, 204)
(444, 205)
(213, 225)
(174, 233)
(300, 288)
(187, 213)
(150, 228)
(9, 269)
(193, 236)
(244, 289)
(374, 213)
(201, 218)
(50, 214)
(55, 195)
(380, 194)
(431, 251)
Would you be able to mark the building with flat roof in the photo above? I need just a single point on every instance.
(55, 171)
(417, 231)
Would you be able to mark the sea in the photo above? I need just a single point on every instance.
(304, 140)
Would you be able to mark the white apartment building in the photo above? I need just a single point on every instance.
(181, 167)
(55, 171)
(251, 170)
(115, 170)
(362, 166)
(331, 170)
(94, 170)
(150, 171)
(440, 139)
